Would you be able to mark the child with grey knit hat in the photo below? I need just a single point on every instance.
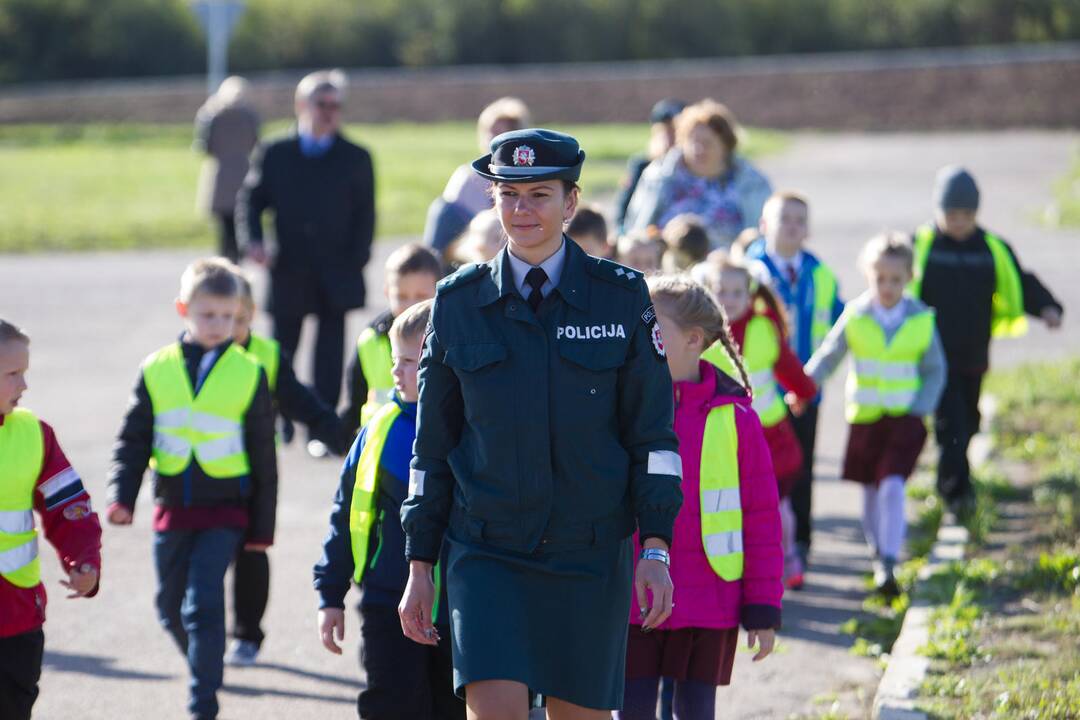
(976, 285)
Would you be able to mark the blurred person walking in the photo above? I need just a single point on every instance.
(321, 188)
(227, 130)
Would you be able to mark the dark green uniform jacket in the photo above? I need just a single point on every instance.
(542, 431)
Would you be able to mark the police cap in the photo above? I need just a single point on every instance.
(531, 155)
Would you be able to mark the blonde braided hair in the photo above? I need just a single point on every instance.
(690, 304)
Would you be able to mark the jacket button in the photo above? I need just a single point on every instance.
(513, 308)
(543, 541)
(592, 391)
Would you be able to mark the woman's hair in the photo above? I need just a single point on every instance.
(892, 244)
(412, 322)
(505, 108)
(687, 242)
(690, 304)
(712, 114)
(708, 274)
(9, 332)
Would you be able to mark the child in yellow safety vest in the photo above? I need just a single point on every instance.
(897, 374)
(366, 545)
(295, 401)
(411, 273)
(972, 279)
(202, 416)
(34, 476)
(726, 559)
(758, 325)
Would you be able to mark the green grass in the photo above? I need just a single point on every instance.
(98, 187)
(1064, 210)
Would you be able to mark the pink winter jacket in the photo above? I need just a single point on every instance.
(702, 599)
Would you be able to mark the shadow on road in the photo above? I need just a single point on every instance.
(94, 665)
(322, 677)
(262, 691)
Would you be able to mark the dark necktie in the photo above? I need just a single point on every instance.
(535, 279)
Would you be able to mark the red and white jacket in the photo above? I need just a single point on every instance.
(68, 523)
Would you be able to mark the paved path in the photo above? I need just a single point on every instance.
(94, 316)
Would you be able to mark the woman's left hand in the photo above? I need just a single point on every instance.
(652, 576)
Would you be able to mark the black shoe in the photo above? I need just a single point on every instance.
(885, 578)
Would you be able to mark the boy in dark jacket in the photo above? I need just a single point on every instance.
(203, 415)
(366, 544)
(974, 282)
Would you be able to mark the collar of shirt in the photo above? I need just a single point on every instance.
(553, 266)
(888, 318)
(782, 264)
(312, 146)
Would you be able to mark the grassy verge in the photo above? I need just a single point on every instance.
(107, 187)
(1064, 210)
(1003, 641)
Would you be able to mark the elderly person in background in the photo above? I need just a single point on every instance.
(321, 188)
(227, 130)
(701, 175)
(466, 193)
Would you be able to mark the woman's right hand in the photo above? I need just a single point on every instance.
(414, 610)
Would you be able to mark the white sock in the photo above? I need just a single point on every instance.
(892, 525)
(787, 526)
(870, 516)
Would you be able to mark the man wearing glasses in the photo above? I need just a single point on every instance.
(321, 188)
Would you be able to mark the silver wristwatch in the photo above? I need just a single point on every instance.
(656, 554)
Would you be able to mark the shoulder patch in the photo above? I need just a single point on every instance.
(462, 277)
(613, 272)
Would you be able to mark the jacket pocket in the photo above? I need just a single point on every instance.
(470, 358)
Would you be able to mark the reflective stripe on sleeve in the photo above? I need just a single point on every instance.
(665, 462)
(416, 482)
(58, 482)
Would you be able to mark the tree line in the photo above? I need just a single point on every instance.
(74, 39)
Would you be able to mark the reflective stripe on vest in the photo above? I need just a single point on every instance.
(373, 350)
(362, 508)
(209, 425)
(1007, 317)
(825, 288)
(268, 353)
(761, 350)
(885, 375)
(721, 505)
(22, 451)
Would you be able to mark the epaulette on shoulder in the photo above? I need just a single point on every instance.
(616, 274)
(462, 277)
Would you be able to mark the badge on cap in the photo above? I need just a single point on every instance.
(524, 155)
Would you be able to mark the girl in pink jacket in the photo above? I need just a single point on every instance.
(726, 555)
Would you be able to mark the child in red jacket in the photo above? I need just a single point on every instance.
(726, 559)
(34, 475)
(759, 327)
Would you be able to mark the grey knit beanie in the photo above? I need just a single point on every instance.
(955, 189)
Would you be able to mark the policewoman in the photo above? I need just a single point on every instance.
(544, 441)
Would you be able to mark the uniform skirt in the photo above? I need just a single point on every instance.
(704, 655)
(889, 446)
(553, 621)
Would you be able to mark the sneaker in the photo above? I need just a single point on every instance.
(795, 581)
(242, 653)
(884, 578)
(793, 572)
(317, 449)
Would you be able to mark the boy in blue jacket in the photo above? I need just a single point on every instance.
(366, 544)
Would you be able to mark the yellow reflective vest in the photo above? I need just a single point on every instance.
(721, 505)
(22, 454)
(373, 350)
(1007, 317)
(885, 375)
(209, 425)
(761, 350)
(268, 353)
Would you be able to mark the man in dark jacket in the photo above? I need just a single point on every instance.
(321, 188)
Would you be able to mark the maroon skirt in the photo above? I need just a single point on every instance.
(702, 654)
(889, 446)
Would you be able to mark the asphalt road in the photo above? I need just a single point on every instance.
(93, 317)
